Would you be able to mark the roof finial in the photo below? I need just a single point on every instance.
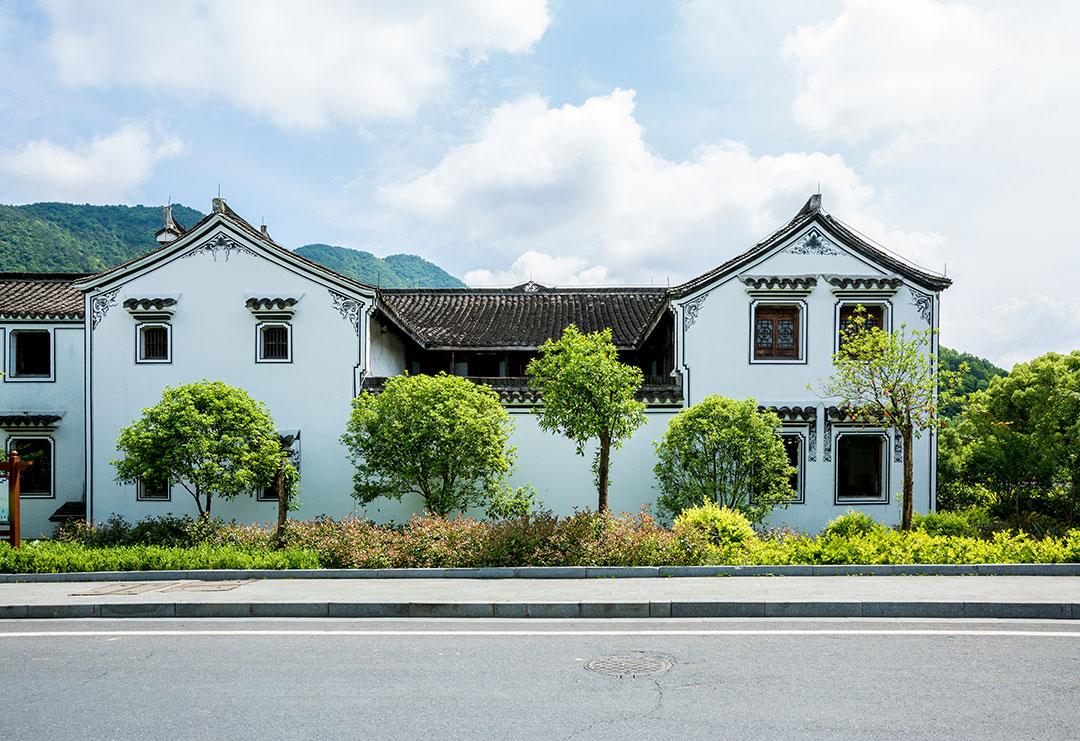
(170, 231)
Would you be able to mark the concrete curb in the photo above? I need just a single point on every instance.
(566, 610)
(565, 572)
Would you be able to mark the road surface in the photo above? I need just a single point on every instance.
(465, 679)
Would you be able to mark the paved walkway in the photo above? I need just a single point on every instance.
(810, 596)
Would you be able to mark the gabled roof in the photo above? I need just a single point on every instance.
(40, 296)
(521, 317)
(812, 212)
(220, 214)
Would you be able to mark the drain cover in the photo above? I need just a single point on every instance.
(631, 664)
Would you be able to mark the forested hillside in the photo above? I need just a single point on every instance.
(72, 238)
(394, 271)
(975, 378)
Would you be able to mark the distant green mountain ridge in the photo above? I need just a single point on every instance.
(73, 238)
(393, 271)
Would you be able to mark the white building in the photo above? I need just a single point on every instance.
(84, 355)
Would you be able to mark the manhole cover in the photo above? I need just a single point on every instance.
(631, 665)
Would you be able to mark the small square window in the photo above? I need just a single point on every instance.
(31, 353)
(36, 480)
(776, 332)
(150, 491)
(860, 468)
(274, 343)
(155, 343)
(873, 316)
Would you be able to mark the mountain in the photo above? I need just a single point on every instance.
(975, 378)
(394, 271)
(72, 238)
(66, 237)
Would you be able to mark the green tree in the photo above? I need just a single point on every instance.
(587, 394)
(442, 437)
(972, 374)
(724, 451)
(1021, 439)
(890, 380)
(210, 438)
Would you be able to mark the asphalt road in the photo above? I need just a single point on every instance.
(465, 679)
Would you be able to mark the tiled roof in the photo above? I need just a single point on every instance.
(40, 295)
(522, 317)
(10, 420)
(812, 212)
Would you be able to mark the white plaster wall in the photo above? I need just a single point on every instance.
(563, 479)
(62, 395)
(715, 356)
(214, 338)
(387, 351)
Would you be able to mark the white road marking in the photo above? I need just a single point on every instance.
(520, 633)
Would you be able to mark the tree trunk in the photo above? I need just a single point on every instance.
(602, 472)
(909, 474)
(282, 507)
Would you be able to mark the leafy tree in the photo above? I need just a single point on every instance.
(442, 437)
(973, 374)
(1020, 438)
(208, 437)
(588, 395)
(889, 379)
(724, 451)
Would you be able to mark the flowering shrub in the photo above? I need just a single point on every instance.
(707, 535)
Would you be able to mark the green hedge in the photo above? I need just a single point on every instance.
(51, 557)
(701, 536)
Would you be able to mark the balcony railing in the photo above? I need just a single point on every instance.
(656, 390)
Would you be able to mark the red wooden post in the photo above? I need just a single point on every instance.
(15, 468)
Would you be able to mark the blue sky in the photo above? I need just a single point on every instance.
(582, 142)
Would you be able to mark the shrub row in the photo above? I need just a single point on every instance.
(706, 535)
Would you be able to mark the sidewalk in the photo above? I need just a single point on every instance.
(1056, 597)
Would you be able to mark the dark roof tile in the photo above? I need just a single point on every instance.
(521, 317)
(40, 295)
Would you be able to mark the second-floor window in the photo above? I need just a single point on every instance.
(275, 343)
(776, 332)
(31, 354)
(852, 320)
(155, 344)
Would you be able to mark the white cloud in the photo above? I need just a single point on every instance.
(1016, 329)
(106, 169)
(575, 187)
(300, 64)
(882, 66)
(544, 269)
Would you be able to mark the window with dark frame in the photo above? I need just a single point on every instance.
(793, 448)
(873, 316)
(154, 342)
(776, 332)
(32, 351)
(274, 342)
(153, 491)
(36, 481)
(860, 467)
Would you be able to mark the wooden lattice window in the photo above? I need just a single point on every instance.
(872, 316)
(154, 342)
(776, 332)
(274, 342)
